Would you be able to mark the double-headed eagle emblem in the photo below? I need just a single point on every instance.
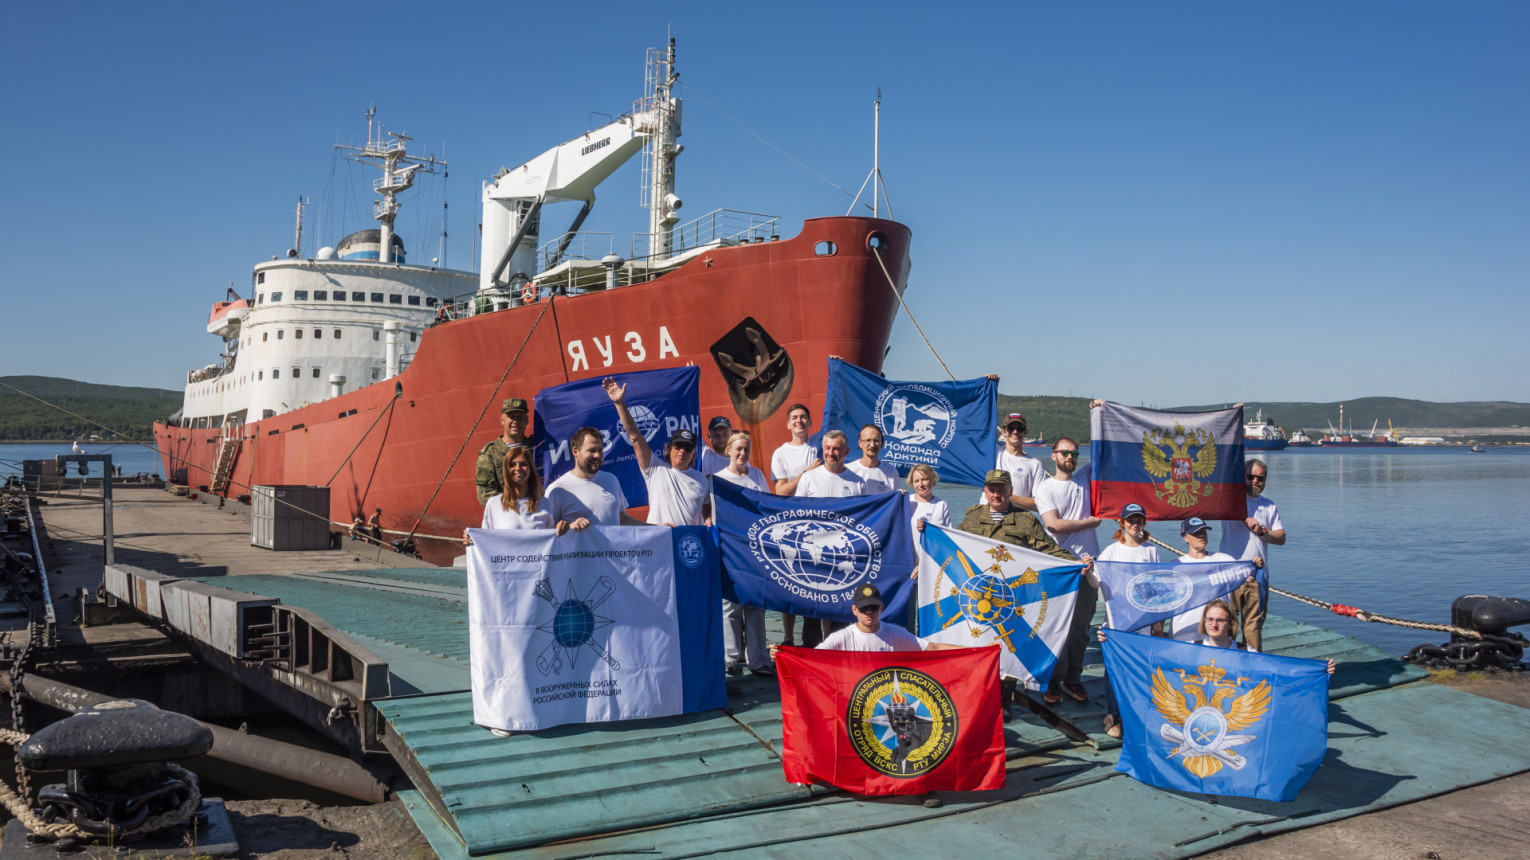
(1197, 725)
(1167, 454)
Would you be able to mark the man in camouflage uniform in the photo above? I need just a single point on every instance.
(512, 421)
(997, 519)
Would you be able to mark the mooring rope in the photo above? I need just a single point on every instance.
(876, 252)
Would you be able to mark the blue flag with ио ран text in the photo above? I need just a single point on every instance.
(1138, 594)
(1217, 720)
(948, 425)
(807, 555)
(661, 402)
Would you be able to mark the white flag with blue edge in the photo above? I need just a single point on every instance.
(974, 591)
(606, 623)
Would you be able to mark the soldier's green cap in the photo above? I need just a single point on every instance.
(997, 476)
(515, 404)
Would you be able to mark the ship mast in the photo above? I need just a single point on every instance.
(874, 178)
(660, 112)
(297, 232)
(389, 152)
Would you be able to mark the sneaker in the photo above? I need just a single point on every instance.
(1052, 697)
(1076, 692)
(734, 670)
(1112, 725)
(766, 671)
(500, 733)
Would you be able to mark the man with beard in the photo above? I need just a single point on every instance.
(584, 494)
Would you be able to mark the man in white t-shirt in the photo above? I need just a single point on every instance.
(1025, 471)
(1186, 626)
(1063, 502)
(878, 476)
(832, 480)
(677, 494)
(584, 494)
(795, 457)
(1249, 539)
(869, 632)
(714, 456)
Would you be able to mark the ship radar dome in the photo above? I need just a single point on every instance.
(326, 253)
(367, 245)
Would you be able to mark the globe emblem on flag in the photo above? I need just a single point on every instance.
(915, 415)
(646, 421)
(987, 600)
(1205, 727)
(691, 552)
(573, 623)
(1159, 590)
(818, 555)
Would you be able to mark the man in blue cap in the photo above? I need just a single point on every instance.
(1196, 533)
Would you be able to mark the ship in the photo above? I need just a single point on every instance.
(381, 378)
(1299, 439)
(1342, 438)
(1262, 435)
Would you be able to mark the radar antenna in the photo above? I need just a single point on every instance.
(389, 152)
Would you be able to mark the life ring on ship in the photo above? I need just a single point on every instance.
(529, 294)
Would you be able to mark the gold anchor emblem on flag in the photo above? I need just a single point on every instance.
(1167, 454)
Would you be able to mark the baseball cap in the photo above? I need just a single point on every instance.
(1192, 525)
(515, 404)
(1013, 418)
(866, 595)
(1133, 509)
(683, 437)
(997, 476)
(719, 421)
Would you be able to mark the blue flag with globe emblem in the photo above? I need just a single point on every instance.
(661, 402)
(948, 425)
(975, 591)
(807, 555)
(1140, 594)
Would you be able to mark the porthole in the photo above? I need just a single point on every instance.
(264, 335)
(318, 333)
(260, 277)
(414, 336)
(825, 249)
(315, 373)
(276, 296)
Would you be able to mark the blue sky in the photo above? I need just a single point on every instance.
(1167, 203)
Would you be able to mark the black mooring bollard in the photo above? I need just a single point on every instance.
(1494, 615)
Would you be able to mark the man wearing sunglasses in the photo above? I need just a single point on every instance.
(869, 632)
(1063, 502)
(1250, 539)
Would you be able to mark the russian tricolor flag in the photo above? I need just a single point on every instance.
(1174, 464)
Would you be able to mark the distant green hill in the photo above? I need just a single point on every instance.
(128, 410)
(1069, 416)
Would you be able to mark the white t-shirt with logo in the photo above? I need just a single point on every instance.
(599, 499)
(1186, 625)
(1244, 545)
(754, 480)
(709, 461)
(881, 478)
(521, 517)
(889, 637)
(823, 484)
(790, 460)
(1070, 501)
(934, 512)
(675, 496)
(1025, 473)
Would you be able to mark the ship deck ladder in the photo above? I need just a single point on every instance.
(228, 449)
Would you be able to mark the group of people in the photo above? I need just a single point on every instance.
(1021, 504)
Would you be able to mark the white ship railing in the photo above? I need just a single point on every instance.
(582, 246)
(718, 227)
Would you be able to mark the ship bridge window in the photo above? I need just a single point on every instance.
(260, 277)
(276, 296)
(315, 373)
(825, 249)
(414, 336)
(300, 295)
(276, 373)
(414, 300)
(377, 298)
(430, 301)
(377, 373)
(280, 333)
(358, 296)
(339, 295)
(318, 333)
(297, 373)
(395, 299)
(320, 295)
(297, 333)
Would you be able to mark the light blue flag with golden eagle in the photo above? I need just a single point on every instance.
(974, 591)
(1217, 720)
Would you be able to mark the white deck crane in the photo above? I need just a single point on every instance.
(513, 201)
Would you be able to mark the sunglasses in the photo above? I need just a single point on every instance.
(1064, 453)
(1256, 477)
(875, 607)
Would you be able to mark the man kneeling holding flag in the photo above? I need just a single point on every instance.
(915, 722)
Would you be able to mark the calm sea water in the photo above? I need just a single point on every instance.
(1398, 532)
(131, 457)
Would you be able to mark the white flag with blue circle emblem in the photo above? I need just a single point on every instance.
(606, 623)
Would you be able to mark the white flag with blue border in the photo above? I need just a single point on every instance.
(974, 591)
(606, 623)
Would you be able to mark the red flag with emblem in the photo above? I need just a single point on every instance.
(897, 722)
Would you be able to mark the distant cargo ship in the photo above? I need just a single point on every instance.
(1299, 439)
(1262, 435)
(1341, 439)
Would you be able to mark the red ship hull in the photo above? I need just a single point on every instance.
(414, 455)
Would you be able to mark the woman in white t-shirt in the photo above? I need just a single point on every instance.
(1130, 545)
(743, 626)
(1216, 629)
(519, 506)
(923, 479)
